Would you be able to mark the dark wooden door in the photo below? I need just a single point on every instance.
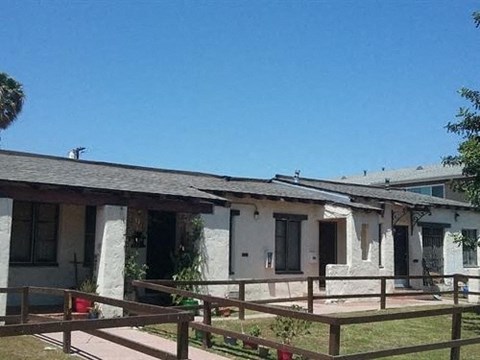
(400, 240)
(160, 244)
(327, 246)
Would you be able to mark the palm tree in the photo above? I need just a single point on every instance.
(11, 100)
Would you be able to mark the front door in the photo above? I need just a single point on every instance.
(327, 247)
(160, 244)
(400, 240)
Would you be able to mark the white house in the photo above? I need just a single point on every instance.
(64, 219)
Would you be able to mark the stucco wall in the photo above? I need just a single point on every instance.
(110, 254)
(358, 266)
(71, 238)
(5, 230)
(215, 247)
(253, 238)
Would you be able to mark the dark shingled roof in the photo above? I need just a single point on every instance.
(374, 192)
(49, 170)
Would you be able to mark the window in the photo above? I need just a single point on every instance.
(34, 233)
(469, 255)
(432, 190)
(231, 238)
(287, 242)
(365, 242)
(90, 225)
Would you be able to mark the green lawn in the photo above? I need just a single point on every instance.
(355, 338)
(29, 348)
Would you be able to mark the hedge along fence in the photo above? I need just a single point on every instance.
(145, 314)
(335, 323)
(383, 295)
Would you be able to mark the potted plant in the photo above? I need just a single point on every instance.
(263, 351)
(94, 312)
(82, 305)
(230, 340)
(188, 262)
(286, 328)
(133, 270)
(254, 331)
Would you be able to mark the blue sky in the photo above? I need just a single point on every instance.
(244, 88)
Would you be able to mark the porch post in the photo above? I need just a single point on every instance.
(110, 254)
(6, 207)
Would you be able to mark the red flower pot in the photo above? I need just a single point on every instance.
(82, 305)
(284, 355)
(249, 345)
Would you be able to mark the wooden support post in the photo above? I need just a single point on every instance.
(383, 293)
(456, 334)
(455, 289)
(334, 340)
(182, 340)
(241, 296)
(207, 320)
(67, 315)
(25, 306)
(310, 294)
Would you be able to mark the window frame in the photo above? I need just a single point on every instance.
(288, 219)
(89, 236)
(429, 186)
(34, 224)
(470, 251)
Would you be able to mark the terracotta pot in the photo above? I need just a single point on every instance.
(284, 355)
(82, 305)
(249, 345)
(225, 312)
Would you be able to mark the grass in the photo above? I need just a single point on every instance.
(354, 338)
(29, 348)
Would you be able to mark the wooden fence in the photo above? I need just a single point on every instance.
(27, 323)
(335, 323)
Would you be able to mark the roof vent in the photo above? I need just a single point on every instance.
(296, 177)
(75, 153)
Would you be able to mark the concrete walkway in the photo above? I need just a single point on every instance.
(93, 348)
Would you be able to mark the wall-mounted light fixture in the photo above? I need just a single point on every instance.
(256, 214)
(457, 215)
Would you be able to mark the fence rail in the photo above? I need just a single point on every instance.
(335, 323)
(144, 314)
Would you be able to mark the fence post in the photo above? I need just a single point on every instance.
(383, 293)
(67, 315)
(456, 334)
(455, 289)
(182, 340)
(334, 340)
(25, 305)
(207, 320)
(310, 294)
(241, 297)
